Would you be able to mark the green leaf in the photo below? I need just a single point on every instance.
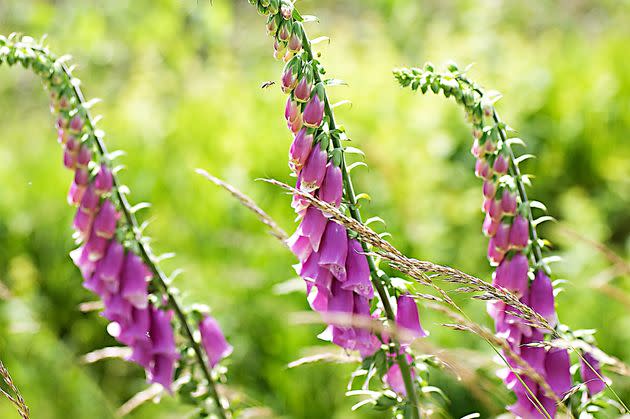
(537, 204)
(309, 18)
(353, 150)
(320, 40)
(297, 16)
(374, 220)
(524, 157)
(542, 219)
(356, 164)
(340, 103)
(335, 82)
(363, 196)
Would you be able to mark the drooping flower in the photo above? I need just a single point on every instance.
(213, 341)
(332, 185)
(408, 320)
(106, 220)
(300, 150)
(134, 280)
(312, 175)
(541, 297)
(519, 233)
(590, 372)
(557, 371)
(358, 271)
(334, 250)
(512, 274)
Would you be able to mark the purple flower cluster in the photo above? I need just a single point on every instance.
(332, 264)
(117, 275)
(508, 228)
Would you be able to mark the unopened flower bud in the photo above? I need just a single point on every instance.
(82, 223)
(106, 219)
(295, 43)
(272, 25)
(313, 112)
(75, 194)
(69, 158)
(76, 123)
(286, 9)
(81, 176)
(332, 186)
(84, 156)
(490, 226)
(489, 189)
(302, 92)
(279, 49)
(103, 182)
(495, 211)
(500, 165)
(296, 125)
(508, 202)
(502, 237)
(495, 254)
(284, 33)
(289, 79)
(519, 234)
(482, 169)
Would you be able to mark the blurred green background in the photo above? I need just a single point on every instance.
(180, 82)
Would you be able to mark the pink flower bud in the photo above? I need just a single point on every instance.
(475, 150)
(334, 250)
(508, 202)
(302, 92)
(296, 125)
(591, 373)
(90, 200)
(291, 110)
(75, 194)
(557, 371)
(500, 165)
(69, 159)
(279, 49)
(490, 226)
(495, 254)
(495, 211)
(284, 33)
(104, 181)
(501, 238)
(300, 150)
(312, 174)
(83, 223)
(84, 156)
(295, 43)
(358, 271)
(76, 124)
(106, 219)
(72, 144)
(313, 112)
(519, 234)
(272, 26)
(81, 176)
(289, 79)
(332, 186)
(482, 169)
(489, 189)
(286, 9)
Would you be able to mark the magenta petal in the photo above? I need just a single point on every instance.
(512, 274)
(162, 370)
(213, 341)
(300, 150)
(312, 174)
(137, 328)
(309, 269)
(408, 320)
(334, 249)
(106, 219)
(358, 271)
(117, 309)
(557, 371)
(134, 280)
(394, 380)
(519, 234)
(332, 186)
(541, 297)
(103, 182)
(300, 246)
(108, 268)
(141, 353)
(313, 112)
(591, 373)
(366, 343)
(313, 226)
(161, 332)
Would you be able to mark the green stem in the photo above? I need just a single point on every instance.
(145, 252)
(377, 279)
